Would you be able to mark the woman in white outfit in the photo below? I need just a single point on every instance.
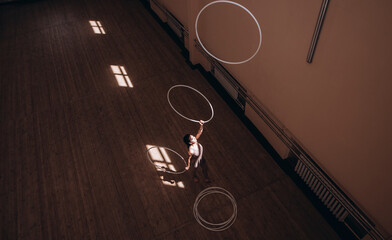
(195, 151)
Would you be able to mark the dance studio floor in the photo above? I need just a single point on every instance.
(79, 111)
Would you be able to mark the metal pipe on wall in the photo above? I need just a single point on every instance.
(317, 30)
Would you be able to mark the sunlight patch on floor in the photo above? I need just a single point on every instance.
(162, 161)
(121, 76)
(97, 27)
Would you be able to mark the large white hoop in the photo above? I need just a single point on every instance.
(239, 5)
(165, 169)
(190, 119)
(215, 226)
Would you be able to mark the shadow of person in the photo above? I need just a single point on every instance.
(169, 178)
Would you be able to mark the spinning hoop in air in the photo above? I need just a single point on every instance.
(215, 226)
(163, 168)
(239, 5)
(190, 119)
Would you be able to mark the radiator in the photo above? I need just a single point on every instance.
(321, 191)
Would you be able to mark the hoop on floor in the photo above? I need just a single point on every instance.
(239, 5)
(190, 119)
(215, 226)
(162, 168)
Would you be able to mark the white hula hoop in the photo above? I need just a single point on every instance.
(239, 5)
(215, 226)
(162, 168)
(190, 119)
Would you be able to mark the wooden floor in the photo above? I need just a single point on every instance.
(73, 162)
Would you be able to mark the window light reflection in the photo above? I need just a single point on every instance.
(121, 75)
(162, 160)
(97, 27)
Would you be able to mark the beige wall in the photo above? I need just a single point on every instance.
(337, 107)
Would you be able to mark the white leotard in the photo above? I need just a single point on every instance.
(197, 151)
